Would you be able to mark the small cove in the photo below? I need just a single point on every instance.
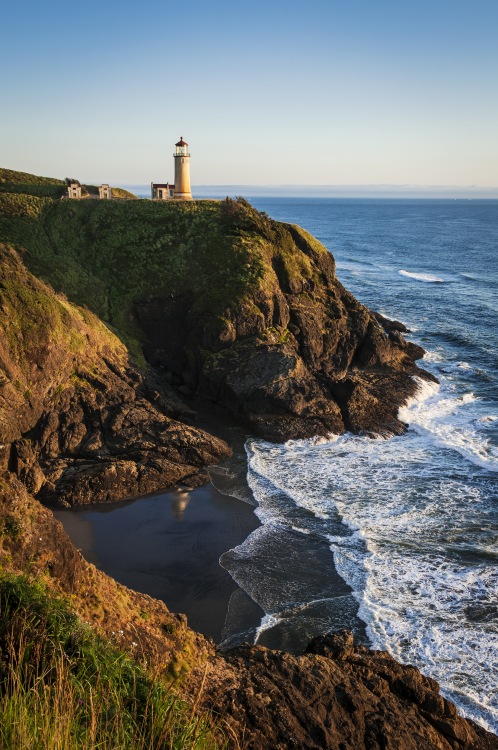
(168, 545)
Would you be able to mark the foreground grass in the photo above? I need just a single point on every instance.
(64, 688)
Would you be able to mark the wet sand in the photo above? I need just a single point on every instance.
(168, 545)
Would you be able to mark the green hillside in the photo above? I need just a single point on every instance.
(107, 254)
(22, 182)
(12, 181)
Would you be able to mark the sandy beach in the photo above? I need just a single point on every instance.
(168, 545)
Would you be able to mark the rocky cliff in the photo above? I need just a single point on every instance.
(79, 423)
(297, 355)
(226, 305)
(337, 696)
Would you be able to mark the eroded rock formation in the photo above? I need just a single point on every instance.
(337, 696)
(298, 356)
(78, 423)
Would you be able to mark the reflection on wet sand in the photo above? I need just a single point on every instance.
(179, 504)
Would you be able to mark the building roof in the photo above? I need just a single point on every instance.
(162, 185)
(181, 142)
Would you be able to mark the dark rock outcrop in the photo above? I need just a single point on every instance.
(337, 696)
(299, 356)
(78, 423)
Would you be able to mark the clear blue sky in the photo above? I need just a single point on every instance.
(266, 92)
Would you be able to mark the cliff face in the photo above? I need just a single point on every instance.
(78, 423)
(298, 355)
(227, 305)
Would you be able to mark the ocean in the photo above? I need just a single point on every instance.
(396, 539)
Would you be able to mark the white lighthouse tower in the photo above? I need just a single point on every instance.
(182, 172)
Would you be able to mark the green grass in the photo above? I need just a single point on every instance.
(110, 254)
(107, 254)
(35, 320)
(123, 194)
(22, 182)
(64, 688)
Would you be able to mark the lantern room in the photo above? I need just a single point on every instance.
(181, 148)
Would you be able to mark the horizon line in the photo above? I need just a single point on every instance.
(336, 186)
(378, 190)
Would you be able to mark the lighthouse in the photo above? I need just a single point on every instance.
(182, 172)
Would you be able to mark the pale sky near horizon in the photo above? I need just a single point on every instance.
(319, 93)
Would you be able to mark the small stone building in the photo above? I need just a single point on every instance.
(74, 190)
(105, 192)
(161, 191)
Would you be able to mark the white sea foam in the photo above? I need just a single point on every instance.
(267, 622)
(427, 610)
(443, 418)
(433, 356)
(426, 389)
(418, 537)
(428, 278)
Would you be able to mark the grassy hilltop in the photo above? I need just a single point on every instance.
(106, 254)
(12, 181)
(30, 184)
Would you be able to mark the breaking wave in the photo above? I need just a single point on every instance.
(429, 278)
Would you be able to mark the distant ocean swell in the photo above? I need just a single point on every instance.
(427, 277)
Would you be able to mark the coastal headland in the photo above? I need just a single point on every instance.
(117, 320)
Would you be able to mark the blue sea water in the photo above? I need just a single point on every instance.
(410, 524)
